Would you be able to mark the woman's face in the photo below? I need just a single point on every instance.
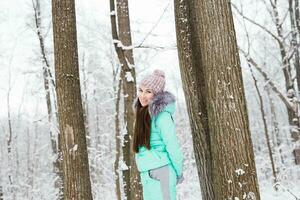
(145, 95)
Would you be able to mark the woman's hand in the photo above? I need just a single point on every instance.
(179, 179)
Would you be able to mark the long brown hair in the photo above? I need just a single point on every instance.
(141, 135)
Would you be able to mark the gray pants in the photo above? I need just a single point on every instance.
(162, 174)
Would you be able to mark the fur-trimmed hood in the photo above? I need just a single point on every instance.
(161, 101)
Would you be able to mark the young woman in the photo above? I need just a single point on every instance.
(158, 156)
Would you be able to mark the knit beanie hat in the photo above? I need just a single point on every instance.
(155, 81)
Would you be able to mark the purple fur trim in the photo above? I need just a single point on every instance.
(159, 102)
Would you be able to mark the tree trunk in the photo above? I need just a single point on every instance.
(1, 193)
(224, 151)
(123, 47)
(295, 47)
(289, 83)
(266, 131)
(293, 10)
(117, 91)
(47, 77)
(192, 78)
(85, 104)
(9, 138)
(277, 140)
(129, 90)
(76, 176)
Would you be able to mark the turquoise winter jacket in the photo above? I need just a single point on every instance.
(164, 144)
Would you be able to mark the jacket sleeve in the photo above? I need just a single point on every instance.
(168, 133)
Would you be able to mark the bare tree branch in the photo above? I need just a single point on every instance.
(269, 81)
(157, 47)
(155, 25)
(257, 24)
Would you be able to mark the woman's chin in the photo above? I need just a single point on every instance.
(144, 104)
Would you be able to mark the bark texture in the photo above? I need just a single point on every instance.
(76, 176)
(212, 79)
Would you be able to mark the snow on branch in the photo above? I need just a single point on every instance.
(269, 81)
(120, 44)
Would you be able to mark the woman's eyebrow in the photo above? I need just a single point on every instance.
(146, 89)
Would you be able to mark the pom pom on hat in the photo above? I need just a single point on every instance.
(155, 81)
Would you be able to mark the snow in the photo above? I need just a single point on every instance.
(120, 44)
(123, 166)
(74, 148)
(239, 172)
(129, 77)
(113, 13)
(32, 164)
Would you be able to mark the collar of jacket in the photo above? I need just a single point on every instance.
(161, 101)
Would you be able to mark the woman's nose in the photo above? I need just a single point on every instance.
(141, 95)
